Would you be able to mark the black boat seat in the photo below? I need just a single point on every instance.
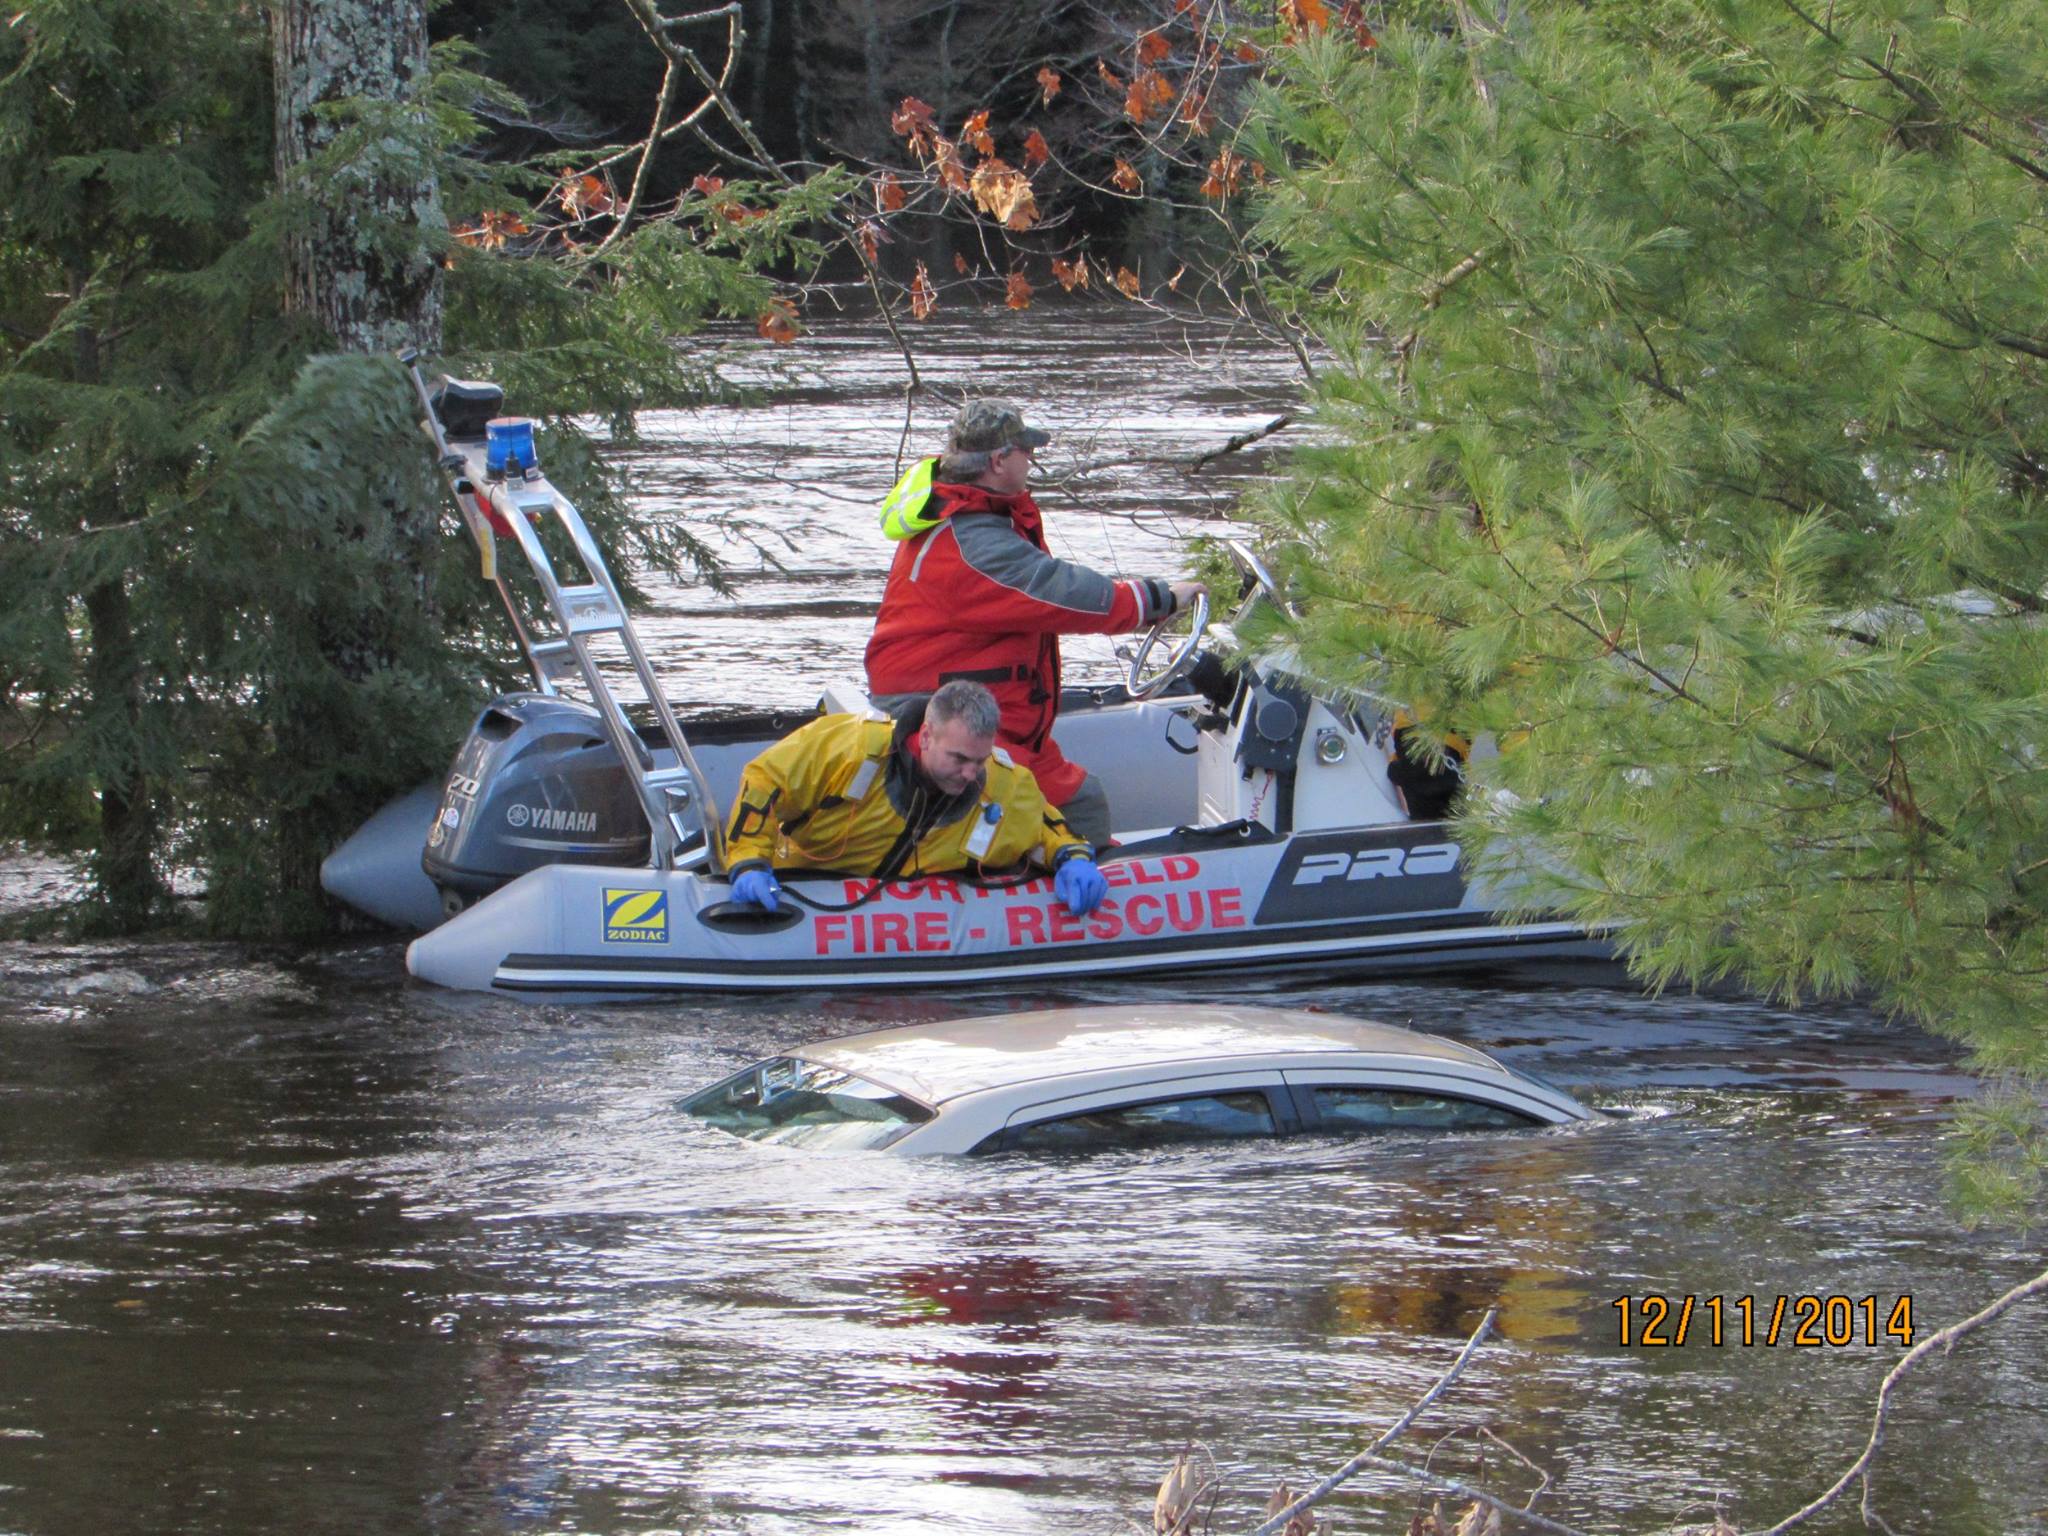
(465, 406)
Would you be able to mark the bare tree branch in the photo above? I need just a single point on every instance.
(663, 104)
(1945, 1341)
(1370, 1454)
(1242, 440)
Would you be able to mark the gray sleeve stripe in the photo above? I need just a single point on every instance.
(992, 548)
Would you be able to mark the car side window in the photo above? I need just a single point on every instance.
(1346, 1110)
(1201, 1117)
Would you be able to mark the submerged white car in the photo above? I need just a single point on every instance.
(1082, 1079)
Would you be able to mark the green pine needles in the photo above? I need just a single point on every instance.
(1687, 431)
(234, 621)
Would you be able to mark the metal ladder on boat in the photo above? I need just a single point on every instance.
(515, 502)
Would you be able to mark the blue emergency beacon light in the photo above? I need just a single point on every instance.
(508, 446)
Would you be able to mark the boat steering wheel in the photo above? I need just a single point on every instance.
(1143, 687)
(1247, 561)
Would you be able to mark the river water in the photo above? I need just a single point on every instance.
(286, 1244)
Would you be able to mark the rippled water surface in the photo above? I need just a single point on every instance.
(288, 1245)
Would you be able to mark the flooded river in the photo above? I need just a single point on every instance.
(286, 1244)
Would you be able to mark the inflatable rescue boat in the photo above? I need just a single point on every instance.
(573, 852)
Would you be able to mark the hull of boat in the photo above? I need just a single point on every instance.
(1366, 899)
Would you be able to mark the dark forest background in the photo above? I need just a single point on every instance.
(821, 79)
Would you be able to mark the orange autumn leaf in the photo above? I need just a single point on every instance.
(960, 263)
(1110, 77)
(1226, 173)
(1036, 150)
(1127, 282)
(1048, 84)
(975, 131)
(923, 298)
(1194, 111)
(1352, 16)
(889, 193)
(1304, 16)
(1002, 191)
(1071, 274)
(506, 223)
(1017, 292)
(581, 196)
(1125, 176)
(778, 323)
(869, 239)
(1248, 52)
(913, 121)
(1182, 7)
(709, 186)
(492, 228)
(1149, 91)
(1153, 46)
(1173, 282)
(952, 173)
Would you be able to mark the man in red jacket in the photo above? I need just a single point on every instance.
(973, 594)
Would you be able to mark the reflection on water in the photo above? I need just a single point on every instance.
(304, 1247)
(292, 1246)
(787, 488)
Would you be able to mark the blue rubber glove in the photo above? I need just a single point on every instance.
(757, 888)
(1080, 885)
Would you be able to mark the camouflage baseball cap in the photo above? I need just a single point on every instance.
(983, 426)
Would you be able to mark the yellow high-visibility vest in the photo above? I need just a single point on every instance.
(903, 508)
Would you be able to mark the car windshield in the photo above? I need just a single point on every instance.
(802, 1104)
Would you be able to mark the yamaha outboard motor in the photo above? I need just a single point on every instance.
(536, 783)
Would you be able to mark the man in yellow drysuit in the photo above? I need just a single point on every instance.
(920, 794)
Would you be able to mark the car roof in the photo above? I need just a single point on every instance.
(938, 1062)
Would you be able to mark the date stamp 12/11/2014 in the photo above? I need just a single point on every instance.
(1808, 1322)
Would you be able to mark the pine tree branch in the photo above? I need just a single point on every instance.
(2021, 344)
(1679, 690)
(1917, 93)
(1432, 295)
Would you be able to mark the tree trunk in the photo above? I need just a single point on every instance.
(373, 293)
(365, 265)
(124, 864)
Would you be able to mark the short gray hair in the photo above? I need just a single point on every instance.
(960, 468)
(969, 703)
